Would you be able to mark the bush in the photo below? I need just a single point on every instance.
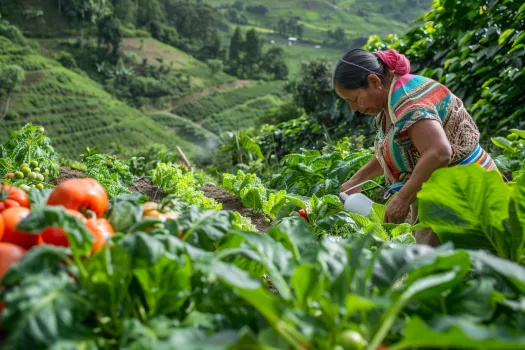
(66, 59)
(258, 9)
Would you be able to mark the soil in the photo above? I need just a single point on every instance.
(232, 202)
(66, 174)
(155, 194)
(144, 185)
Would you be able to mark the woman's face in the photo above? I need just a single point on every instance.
(369, 101)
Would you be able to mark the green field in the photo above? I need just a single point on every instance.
(74, 109)
(223, 102)
(357, 18)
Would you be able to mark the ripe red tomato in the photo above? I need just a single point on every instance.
(1, 227)
(382, 347)
(12, 218)
(80, 195)
(101, 230)
(11, 196)
(9, 254)
(56, 236)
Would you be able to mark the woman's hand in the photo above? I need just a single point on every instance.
(368, 172)
(349, 184)
(397, 210)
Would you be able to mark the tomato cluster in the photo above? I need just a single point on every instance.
(85, 199)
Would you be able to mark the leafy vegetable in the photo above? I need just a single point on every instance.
(113, 174)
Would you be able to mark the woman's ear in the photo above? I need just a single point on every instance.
(374, 81)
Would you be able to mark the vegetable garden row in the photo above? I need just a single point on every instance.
(86, 263)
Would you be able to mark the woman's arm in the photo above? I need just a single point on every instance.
(368, 172)
(431, 141)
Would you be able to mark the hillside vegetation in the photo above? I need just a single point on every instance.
(73, 107)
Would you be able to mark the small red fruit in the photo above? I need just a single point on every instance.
(304, 215)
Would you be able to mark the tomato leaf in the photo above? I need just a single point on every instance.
(43, 309)
(80, 239)
(38, 198)
(165, 285)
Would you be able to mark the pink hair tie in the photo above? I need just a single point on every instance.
(394, 61)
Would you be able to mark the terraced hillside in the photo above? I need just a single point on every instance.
(75, 110)
(358, 18)
(232, 109)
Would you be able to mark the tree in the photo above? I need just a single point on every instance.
(273, 63)
(10, 78)
(314, 90)
(236, 45)
(150, 16)
(216, 66)
(212, 48)
(282, 27)
(86, 10)
(110, 34)
(252, 47)
(300, 30)
(80, 11)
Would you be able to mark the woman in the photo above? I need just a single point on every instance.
(421, 126)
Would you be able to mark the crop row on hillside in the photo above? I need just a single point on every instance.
(241, 116)
(205, 107)
(72, 107)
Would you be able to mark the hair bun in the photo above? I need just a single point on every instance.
(395, 61)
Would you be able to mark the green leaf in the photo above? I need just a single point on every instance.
(298, 237)
(504, 36)
(520, 133)
(165, 285)
(356, 303)
(203, 228)
(124, 215)
(80, 239)
(38, 198)
(377, 214)
(74, 344)
(474, 301)
(519, 39)
(308, 284)
(143, 248)
(429, 286)
(467, 206)
(300, 201)
(513, 273)
(516, 241)
(43, 309)
(338, 219)
(451, 332)
(393, 263)
(501, 142)
(249, 145)
(253, 197)
(108, 278)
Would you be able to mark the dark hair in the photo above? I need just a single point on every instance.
(352, 76)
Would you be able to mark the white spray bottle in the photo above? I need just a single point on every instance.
(357, 202)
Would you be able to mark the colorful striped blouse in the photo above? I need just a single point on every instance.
(413, 98)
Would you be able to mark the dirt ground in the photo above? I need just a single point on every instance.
(144, 185)
(231, 202)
